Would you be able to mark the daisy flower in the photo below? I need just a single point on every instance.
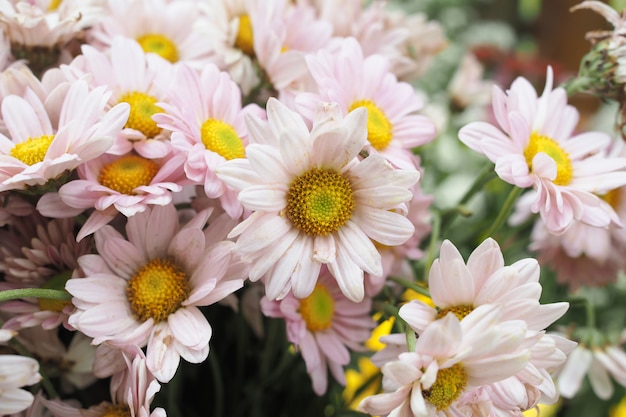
(325, 327)
(136, 78)
(41, 147)
(346, 77)
(15, 372)
(207, 124)
(535, 147)
(167, 28)
(314, 202)
(113, 184)
(46, 258)
(450, 357)
(146, 290)
(599, 364)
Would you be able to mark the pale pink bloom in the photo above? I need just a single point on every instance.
(536, 147)
(450, 357)
(344, 76)
(39, 23)
(145, 291)
(283, 34)
(13, 208)
(45, 258)
(168, 28)
(112, 184)
(134, 77)
(314, 202)
(208, 129)
(325, 327)
(15, 372)
(37, 152)
(467, 86)
(230, 31)
(599, 364)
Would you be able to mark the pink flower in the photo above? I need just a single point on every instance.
(325, 326)
(394, 127)
(206, 120)
(15, 372)
(536, 148)
(314, 202)
(41, 147)
(146, 290)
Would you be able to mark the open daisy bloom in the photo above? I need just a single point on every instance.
(314, 202)
(146, 290)
(15, 372)
(537, 148)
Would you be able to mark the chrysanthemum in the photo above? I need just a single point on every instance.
(46, 257)
(167, 28)
(346, 77)
(536, 148)
(599, 364)
(325, 326)
(314, 202)
(112, 184)
(15, 372)
(146, 290)
(450, 357)
(136, 78)
(42, 147)
(207, 124)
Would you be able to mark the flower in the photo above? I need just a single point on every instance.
(36, 152)
(146, 290)
(314, 202)
(324, 326)
(208, 129)
(536, 148)
(393, 126)
(450, 357)
(15, 372)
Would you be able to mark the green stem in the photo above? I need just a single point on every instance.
(411, 338)
(216, 373)
(575, 85)
(407, 284)
(34, 293)
(505, 211)
(433, 244)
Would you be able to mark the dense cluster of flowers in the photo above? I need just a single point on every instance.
(268, 159)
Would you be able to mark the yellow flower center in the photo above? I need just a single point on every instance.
(222, 139)
(160, 45)
(459, 311)
(157, 289)
(32, 150)
(142, 108)
(245, 37)
(118, 410)
(57, 282)
(540, 143)
(379, 128)
(320, 201)
(318, 309)
(447, 388)
(54, 4)
(127, 173)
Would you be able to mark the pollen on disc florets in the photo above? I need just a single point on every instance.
(541, 143)
(245, 37)
(32, 150)
(320, 201)
(318, 309)
(157, 289)
(116, 410)
(127, 173)
(142, 108)
(379, 128)
(448, 386)
(459, 311)
(221, 138)
(160, 45)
